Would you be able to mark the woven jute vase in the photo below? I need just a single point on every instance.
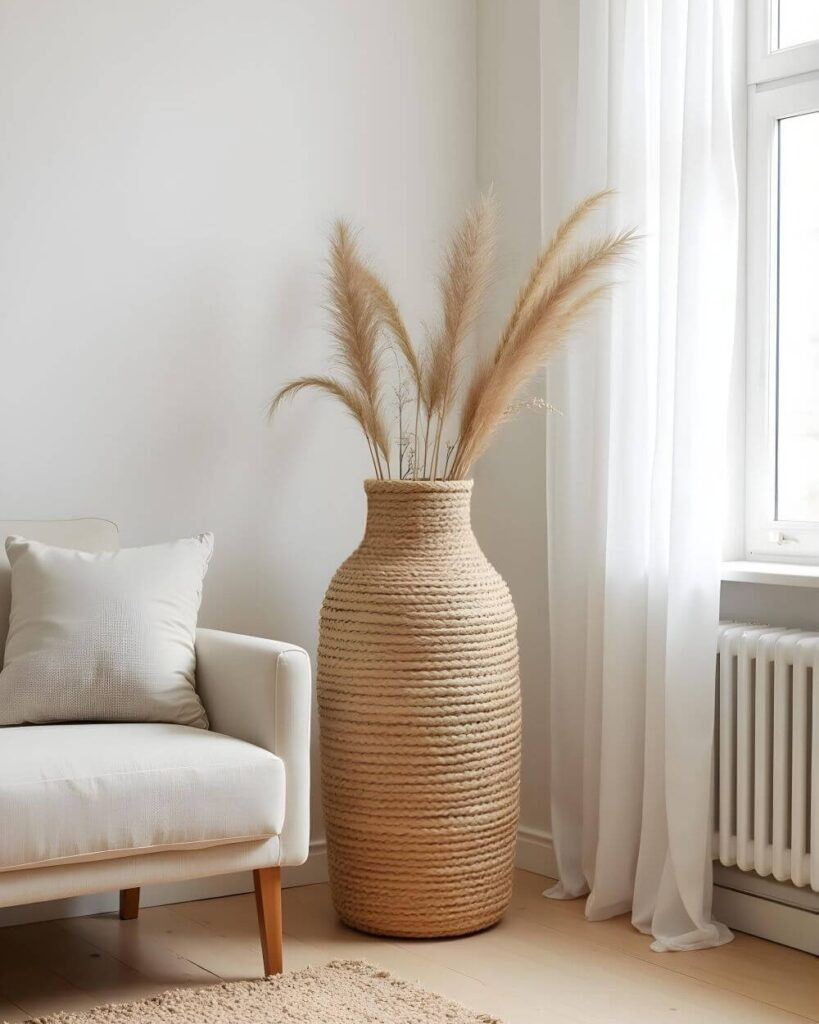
(419, 708)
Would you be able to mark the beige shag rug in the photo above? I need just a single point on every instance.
(342, 992)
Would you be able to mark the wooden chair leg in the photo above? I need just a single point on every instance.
(268, 885)
(128, 904)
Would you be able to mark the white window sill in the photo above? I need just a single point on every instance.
(783, 574)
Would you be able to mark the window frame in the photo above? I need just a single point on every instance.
(783, 87)
(765, 62)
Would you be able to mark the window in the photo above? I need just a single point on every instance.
(797, 22)
(782, 467)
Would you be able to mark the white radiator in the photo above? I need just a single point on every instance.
(766, 779)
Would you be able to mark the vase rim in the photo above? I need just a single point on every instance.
(373, 486)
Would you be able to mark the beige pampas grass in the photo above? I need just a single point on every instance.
(391, 318)
(350, 397)
(540, 330)
(567, 280)
(540, 272)
(467, 270)
(356, 323)
(393, 321)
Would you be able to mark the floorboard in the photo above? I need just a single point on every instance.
(543, 964)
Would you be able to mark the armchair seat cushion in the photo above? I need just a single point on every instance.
(93, 792)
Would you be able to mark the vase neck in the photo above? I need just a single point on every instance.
(418, 514)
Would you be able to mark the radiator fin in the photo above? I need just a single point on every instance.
(766, 778)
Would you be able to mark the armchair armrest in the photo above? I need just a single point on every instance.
(259, 691)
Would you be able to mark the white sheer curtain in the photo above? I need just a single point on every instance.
(635, 473)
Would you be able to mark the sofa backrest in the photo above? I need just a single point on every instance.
(81, 534)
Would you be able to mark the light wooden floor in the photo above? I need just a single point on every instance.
(544, 963)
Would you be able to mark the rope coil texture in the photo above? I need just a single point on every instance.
(419, 706)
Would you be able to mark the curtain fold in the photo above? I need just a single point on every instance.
(635, 470)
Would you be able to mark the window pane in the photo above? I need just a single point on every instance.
(798, 315)
(798, 22)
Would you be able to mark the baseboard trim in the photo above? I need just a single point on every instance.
(766, 913)
(535, 852)
(777, 922)
(312, 871)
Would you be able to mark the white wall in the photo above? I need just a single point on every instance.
(169, 172)
(526, 96)
(510, 488)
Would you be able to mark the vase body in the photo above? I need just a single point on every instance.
(419, 710)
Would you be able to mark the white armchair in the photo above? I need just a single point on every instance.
(95, 807)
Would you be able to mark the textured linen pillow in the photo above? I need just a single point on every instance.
(103, 637)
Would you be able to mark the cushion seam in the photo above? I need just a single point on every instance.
(136, 771)
(92, 856)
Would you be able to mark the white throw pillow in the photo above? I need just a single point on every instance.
(103, 637)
